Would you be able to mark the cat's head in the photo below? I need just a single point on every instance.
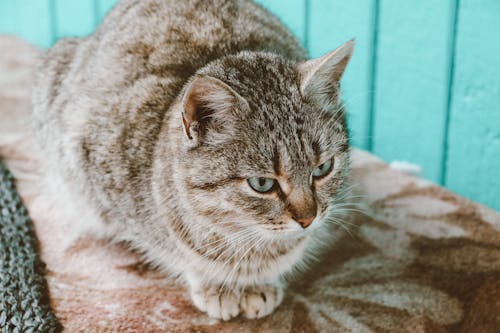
(265, 143)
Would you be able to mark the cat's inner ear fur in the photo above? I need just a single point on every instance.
(320, 77)
(208, 108)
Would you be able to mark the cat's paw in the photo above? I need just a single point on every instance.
(260, 301)
(216, 303)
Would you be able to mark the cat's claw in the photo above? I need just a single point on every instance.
(260, 301)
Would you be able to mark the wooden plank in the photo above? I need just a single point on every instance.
(104, 6)
(27, 19)
(74, 18)
(331, 23)
(9, 11)
(412, 78)
(473, 163)
(35, 22)
(291, 13)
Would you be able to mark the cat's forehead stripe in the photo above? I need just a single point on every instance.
(277, 166)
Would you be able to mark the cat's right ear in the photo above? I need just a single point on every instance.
(208, 107)
(319, 78)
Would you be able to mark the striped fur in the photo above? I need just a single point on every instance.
(152, 125)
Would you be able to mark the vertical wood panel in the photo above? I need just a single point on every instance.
(104, 6)
(473, 166)
(291, 12)
(35, 21)
(74, 18)
(28, 19)
(9, 17)
(331, 23)
(413, 59)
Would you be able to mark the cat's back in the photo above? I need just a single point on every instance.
(167, 39)
(175, 38)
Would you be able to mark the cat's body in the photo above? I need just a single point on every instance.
(158, 156)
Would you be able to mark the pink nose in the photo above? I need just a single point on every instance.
(305, 221)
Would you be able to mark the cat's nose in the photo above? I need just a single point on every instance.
(305, 221)
(302, 206)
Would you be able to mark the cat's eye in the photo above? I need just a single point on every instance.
(261, 184)
(323, 169)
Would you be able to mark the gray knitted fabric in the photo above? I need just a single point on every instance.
(24, 302)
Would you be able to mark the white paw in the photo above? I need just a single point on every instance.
(260, 301)
(216, 303)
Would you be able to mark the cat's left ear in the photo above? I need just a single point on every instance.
(208, 111)
(319, 78)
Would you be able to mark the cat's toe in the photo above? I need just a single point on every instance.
(217, 304)
(229, 307)
(261, 301)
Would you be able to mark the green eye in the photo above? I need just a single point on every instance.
(260, 184)
(323, 169)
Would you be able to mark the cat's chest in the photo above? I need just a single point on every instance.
(254, 257)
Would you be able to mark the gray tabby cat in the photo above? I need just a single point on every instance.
(197, 131)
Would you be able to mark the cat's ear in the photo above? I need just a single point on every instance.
(319, 78)
(208, 107)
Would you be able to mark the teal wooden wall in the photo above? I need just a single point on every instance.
(423, 85)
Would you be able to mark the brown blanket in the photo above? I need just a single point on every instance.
(421, 259)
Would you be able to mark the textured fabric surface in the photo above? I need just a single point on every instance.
(421, 259)
(24, 305)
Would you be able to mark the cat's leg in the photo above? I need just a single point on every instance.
(217, 302)
(223, 303)
(260, 301)
(226, 303)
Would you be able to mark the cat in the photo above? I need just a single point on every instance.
(198, 132)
